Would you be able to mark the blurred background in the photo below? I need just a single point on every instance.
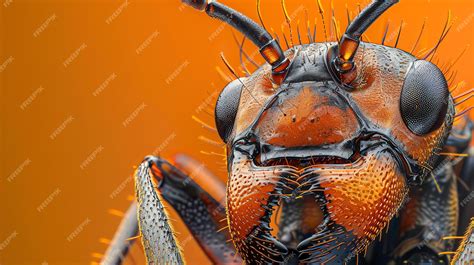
(88, 88)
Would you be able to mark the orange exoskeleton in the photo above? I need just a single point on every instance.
(335, 135)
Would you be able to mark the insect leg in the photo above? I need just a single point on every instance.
(203, 215)
(465, 252)
(120, 245)
(430, 214)
(459, 142)
(156, 232)
(466, 192)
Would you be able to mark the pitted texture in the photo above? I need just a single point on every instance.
(308, 65)
(203, 215)
(157, 234)
(381, 73)
(197, 218)
(308, 115)
(248, 206)
(431, 213)
(361, 199)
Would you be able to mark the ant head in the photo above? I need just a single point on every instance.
(347, 117)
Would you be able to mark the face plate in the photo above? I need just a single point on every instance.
(348, 149)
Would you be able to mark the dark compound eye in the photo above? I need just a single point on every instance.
(226, 108)
(424, 98)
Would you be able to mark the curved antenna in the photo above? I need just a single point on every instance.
(343, 54)
(269, 48)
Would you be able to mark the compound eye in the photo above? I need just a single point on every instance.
(424, 98)
(226, 108)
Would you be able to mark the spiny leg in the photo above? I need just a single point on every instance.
(156, 232)
(203, 215)
(120, 245)
(465, 252)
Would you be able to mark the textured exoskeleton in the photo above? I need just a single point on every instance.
(347, 139)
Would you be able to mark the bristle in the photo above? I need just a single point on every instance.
(237, 77)
(241, 53)
(243, 71)
(451, 78)
(116, 212)
(435, 182)
(298, 31)
(104, 240)
(284, 37)
(464, 112)
(222, 229)
(333, 26)
(321, 12)
(470, 91)
(314, 29)
(447, 253)
(203, 124)
(260, 14)
(223, 75)
(348, 15)
(399, 32)
(443, 67)
(276, 35)
(209, 112)
(458, 85)
(452, 237)
(419, 36)
(288, 21)
(229, 67)
(209, 141)
(97, 255)
(308, 27)
(444, 33)
(365, 37)
(457, 58)
(385, 32)
(212, 153)
(336, 29)
(421, 52)
(133, 238)
(250, 59)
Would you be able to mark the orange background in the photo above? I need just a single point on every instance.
(46, 194)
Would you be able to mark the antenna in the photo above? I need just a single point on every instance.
(342, 56)
(269, 47)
